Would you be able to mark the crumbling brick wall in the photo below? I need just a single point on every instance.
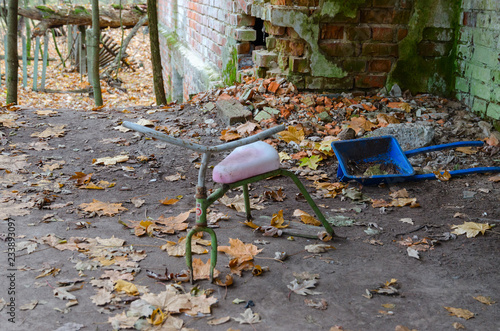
(358, 46)
(478, 76)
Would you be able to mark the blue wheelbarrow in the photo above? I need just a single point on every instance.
(385, 152)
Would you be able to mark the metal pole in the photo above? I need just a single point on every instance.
(25, 63)
(35, 69)
(44, 64)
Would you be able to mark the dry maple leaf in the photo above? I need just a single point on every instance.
(303, 288)
(111, 160)
(56, 131)
(246, 128)
(321, 305)
(278, 195)
(239, 250)
(278, 221)
(306, 218)
(238, 203)
(123, 321)
(102, 297)
(472, 229)
(102, 208)
(202, 270)
(486, 300)
(442, 177)
(310, 162)
(229, 135)
(168, 201)
(174, 223)
(318, 248)
(198, 246)
(292, 134)
(361, 123)
(81, 178)
(248, 317)
(13, 163)
(127, 287)
(459, 312)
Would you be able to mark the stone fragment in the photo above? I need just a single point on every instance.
(231, 111)
(408, 135)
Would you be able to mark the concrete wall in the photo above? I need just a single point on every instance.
(478, 71)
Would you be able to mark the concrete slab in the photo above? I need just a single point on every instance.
(231, 111)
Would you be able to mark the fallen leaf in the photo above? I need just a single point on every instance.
(102, 208)
(471, 229)
(63, 294)
(248, 317)
(306, 218)
(202, 270)
(229, 135)
(284, 156)
(81, 178)
(218, 321)
(467, 150)
(310, 162)
(303, 288)
(459, 312)
(91, 186)
(137, 202)
(102, 297)
(458, 326)
(242, 252)
(56, 131)
(246, 128)
(321, 305)
(318, 248)
(174, 178)
(412, 252)
(443, 177)
(361, 123)
(174, 223)
(168, 201)
(127, 287)
(407, 220)
(13, 163)
(238, 203)
(277, 195)
(494, 179)
(29, 306)
(111, 160)
(486, 300)
(292, 134)
(46, 112)
(278, 221)
(198, 246)
(157, 317)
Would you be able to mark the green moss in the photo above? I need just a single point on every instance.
(416, 73)
(45, 9)
(334, 7)
(230, 63)
(117, 6)
(81, 10)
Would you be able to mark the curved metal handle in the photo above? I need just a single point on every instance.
(443, 146)
(201, 148)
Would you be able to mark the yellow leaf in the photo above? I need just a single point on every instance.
(459, 312)
(157, 317)
(486, 300)
(284, 156)
(251, 224)
(443, 177)
(168, 201)
(467, 150)
(472, 229)
(292, 134)
(278, 220)
(306, 218)
(81, 178)
(202, 270)
(91, 186)
(102, 208)
(243, 252)
(108, 160)
(310, 162)
(127, 287)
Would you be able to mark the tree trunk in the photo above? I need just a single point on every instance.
(109, 16)
(95, 53)
(12, 60)
(155, 53)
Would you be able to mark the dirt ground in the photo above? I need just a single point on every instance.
(451, 270)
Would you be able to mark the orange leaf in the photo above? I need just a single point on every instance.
(361, 123)
(229, 135)
(168, 201)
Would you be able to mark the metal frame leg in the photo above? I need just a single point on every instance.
(247, 202)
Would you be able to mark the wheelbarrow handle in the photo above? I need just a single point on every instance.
(454, 173)
(434, 148)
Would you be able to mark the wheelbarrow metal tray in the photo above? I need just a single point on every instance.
(377, 150)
